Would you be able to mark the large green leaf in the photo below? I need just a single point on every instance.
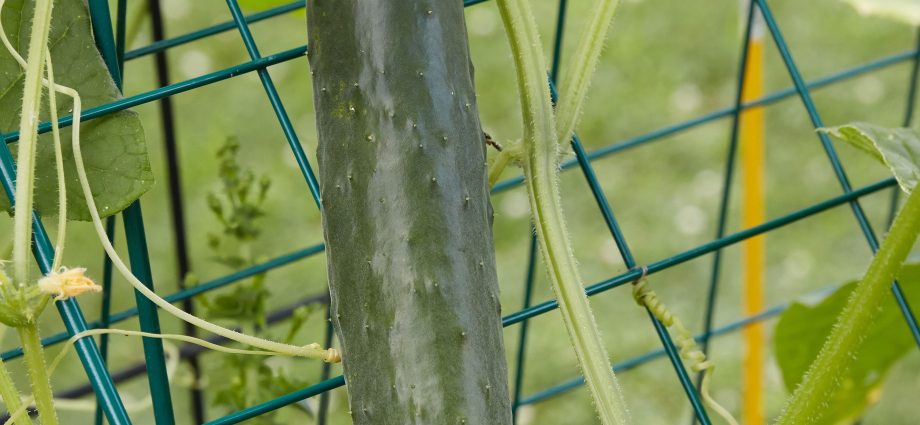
(114, 146)
(901, 10)
(897, 148)
(804, 326)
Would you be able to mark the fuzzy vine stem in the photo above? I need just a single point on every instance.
(498, 166)
(38, 373)
(584, 63)
(8, 391)
(821, 380)
(10, 394)
(59, 165)
(541, 167)
(28, 129)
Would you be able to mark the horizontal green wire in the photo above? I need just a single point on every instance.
(184, 86)
(222, 27)
(709, 247)
(277, 403)
(545, 306)
(227, 26)
(771, 98)
(593, 290)
(641, 359)
(188, 293)
(290, 54)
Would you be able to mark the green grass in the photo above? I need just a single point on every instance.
(665, 62)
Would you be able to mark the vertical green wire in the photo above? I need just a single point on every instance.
(522, 336)
(106, 306)
(176, 201)
(842, 178)
(731, 155)
(137, 241)
(275, 100)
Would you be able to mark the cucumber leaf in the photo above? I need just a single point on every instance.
(907, 11)
(114, 146)
(804, 326)
(897, 148)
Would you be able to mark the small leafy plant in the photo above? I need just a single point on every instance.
(238, 205)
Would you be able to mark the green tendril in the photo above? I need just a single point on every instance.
(689, 350)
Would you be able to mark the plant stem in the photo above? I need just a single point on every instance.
(10, 394)
(250, 374)
(38, 373)
(28, 130)
(59, 164)
(837, 355)
(541, 168)
(495, 170)
(578, 78)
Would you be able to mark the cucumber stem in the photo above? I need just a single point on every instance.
(28, 130)
(821, 380)
(584, 63)
(10, 394)
(59, 164)
(541, 168)
(38, 374)
(498, 166)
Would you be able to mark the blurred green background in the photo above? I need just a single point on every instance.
(665, 62)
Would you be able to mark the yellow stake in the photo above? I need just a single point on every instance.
(752, 214)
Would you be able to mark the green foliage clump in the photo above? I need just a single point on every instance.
(237, 205)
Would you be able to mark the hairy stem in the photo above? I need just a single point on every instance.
(578, 78)
(28, 130)
(836, 356)
(541, 168)
(59, 164)
(498, 166)
(10, 394)
(34, 356)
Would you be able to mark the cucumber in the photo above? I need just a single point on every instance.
(406, 213)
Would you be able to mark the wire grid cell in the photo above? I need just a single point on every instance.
(102, 382)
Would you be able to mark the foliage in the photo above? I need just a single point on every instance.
(805, 325)
(896, 148)
(115, 144)
(237, 205)
(838, 356)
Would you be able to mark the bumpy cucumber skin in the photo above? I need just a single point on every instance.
(406, 217)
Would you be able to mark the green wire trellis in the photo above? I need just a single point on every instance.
(111, 45)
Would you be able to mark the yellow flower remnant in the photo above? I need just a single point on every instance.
(67, 283)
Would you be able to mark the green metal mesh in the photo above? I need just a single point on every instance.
(111, 44)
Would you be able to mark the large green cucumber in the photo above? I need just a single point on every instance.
(406, 213)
